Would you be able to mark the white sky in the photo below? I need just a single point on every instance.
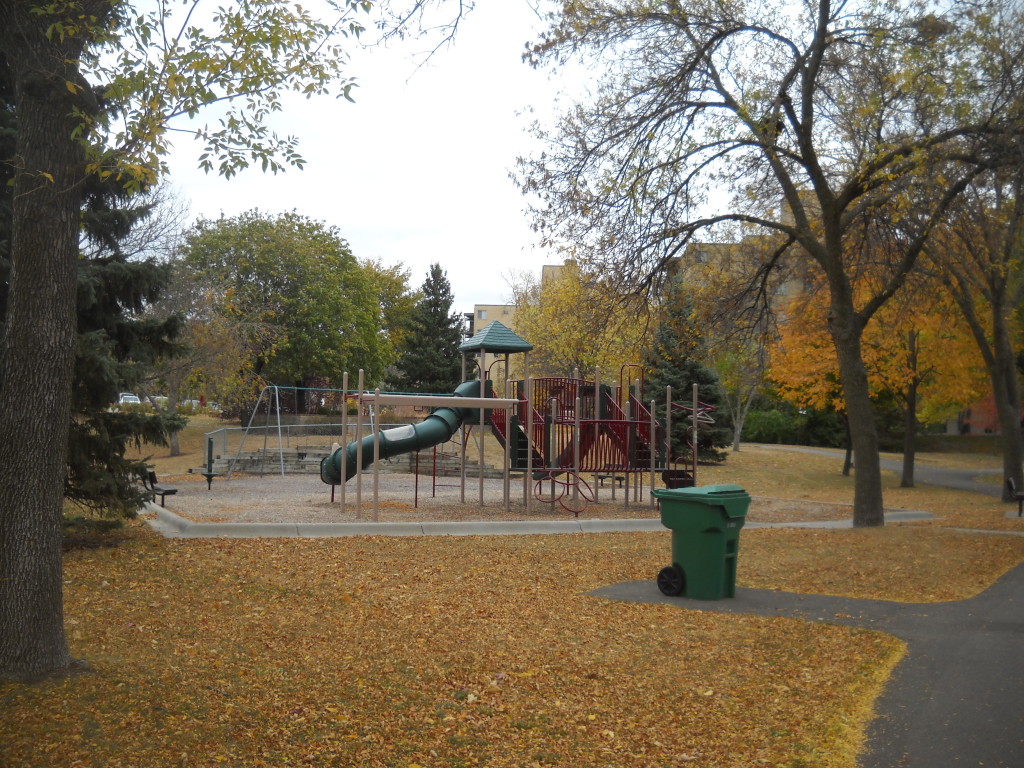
(416, 171)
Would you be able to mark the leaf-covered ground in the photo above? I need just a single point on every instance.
(468, 652)
(444, 652)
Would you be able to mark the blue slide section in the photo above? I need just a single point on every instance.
(437, 428)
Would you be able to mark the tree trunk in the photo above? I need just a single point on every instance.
(867, 479)
(172, 407)
(910, 417)
(37, 352)
(848, 453)
(741, 417)
(1006, 392)
(174, 443)
(909, 436)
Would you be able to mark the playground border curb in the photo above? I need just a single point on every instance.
(175, 526)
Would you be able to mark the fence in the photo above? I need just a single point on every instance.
(284, 448)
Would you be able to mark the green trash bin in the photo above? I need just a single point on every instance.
(705, 524)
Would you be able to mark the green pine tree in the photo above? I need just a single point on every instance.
(430, 361)
(114, 339)
(674, 360)
(117, 345)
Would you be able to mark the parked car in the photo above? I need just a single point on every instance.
(128, 398)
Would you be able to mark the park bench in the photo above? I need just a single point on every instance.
(1016, 495)
(674, 477)
(152, 485)
(610, 476)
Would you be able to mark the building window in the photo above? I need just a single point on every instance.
(481, 314)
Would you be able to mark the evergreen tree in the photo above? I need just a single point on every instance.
(430, 360)
(113, 339)
(674, 360)
(117, 344)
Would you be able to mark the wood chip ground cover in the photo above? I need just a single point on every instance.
(463, 651)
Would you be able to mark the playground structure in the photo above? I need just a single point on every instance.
(554, 430)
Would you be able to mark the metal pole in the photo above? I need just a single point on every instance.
(359, 446)
(376, 458)
(344, 436)
(245, 433)
(529, 444)
(551, 438)
(654, 451)
(480, 437)
(280, 441)
(638, 480)
(506, 481)
(668, 426)
(464, 433)
(266, 428)
(629, 441)
(576, 448)
(696, 405)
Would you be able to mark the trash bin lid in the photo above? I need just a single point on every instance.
(732, 498)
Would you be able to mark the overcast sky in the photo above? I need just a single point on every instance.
(416, 171)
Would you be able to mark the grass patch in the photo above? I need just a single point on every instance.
(191, 443)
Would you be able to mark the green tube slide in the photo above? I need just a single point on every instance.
(437, 428)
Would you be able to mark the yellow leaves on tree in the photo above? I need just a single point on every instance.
(916, 340)
(577, 320)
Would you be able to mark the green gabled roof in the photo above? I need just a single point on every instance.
(496, 338)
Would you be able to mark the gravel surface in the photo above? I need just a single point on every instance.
(305, 498)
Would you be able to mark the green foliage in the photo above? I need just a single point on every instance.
(430, 361)
(115, 342)
(302, 304)
(168, 64)
(782, 423)
(674, 360)
(395, 298)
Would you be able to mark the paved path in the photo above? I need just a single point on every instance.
(956, 699)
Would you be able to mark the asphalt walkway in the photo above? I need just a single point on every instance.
(956, 699)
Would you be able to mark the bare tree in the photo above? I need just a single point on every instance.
(980, 258)
(708, 109)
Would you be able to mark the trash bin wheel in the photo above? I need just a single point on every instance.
(671, 581)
